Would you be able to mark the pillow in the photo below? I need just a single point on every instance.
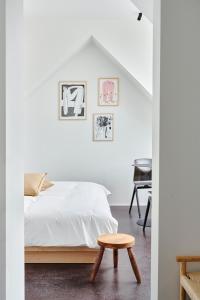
(46, 184)
(33, 183)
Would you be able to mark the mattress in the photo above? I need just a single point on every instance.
(68, 214)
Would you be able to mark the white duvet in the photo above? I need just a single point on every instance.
(68, 214)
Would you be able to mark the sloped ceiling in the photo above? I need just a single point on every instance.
(88, 8)
(80, 8)
(99, 10)
(65, 60)
(121, 67)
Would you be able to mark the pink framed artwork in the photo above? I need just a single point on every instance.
(108, 94)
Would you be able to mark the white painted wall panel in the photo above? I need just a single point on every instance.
(179, 142)
(2, 152)
(11, 167)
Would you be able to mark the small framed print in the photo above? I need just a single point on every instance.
(108, 91)
(103, 127)
(72, 100)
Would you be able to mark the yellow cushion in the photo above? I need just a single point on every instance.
(33, 183)
(46, 184)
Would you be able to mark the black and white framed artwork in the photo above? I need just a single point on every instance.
(72, 100)
(103, 127)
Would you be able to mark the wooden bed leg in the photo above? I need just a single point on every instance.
(182, 273)
(115, 258)
(97, 264)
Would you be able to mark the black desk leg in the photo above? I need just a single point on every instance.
(134, 191)
(138, 204)
(147, 212)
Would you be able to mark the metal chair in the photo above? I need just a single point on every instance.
(142, 179)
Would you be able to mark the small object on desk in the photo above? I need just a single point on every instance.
(116, 241)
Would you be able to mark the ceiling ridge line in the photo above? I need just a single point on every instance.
(122, 67)
(75, 51)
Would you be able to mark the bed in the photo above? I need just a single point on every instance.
(62, 223)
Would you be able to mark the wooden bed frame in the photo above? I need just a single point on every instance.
(60, 255)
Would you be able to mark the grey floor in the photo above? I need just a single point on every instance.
(70, 281)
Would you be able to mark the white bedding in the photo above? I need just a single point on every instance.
(68, 214)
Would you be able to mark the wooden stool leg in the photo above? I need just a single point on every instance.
(134, 265)
(97, 264)
(115, 258)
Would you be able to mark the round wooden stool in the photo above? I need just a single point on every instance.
(115, 242)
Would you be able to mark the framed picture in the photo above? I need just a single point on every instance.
(103, 127)
(72, 100)
(108, 91)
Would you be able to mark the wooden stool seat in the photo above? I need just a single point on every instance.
(115, 242)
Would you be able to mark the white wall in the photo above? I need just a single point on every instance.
(65, 149)
(49, 40)
(2, 152)
(11, 174)
(178, 164)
